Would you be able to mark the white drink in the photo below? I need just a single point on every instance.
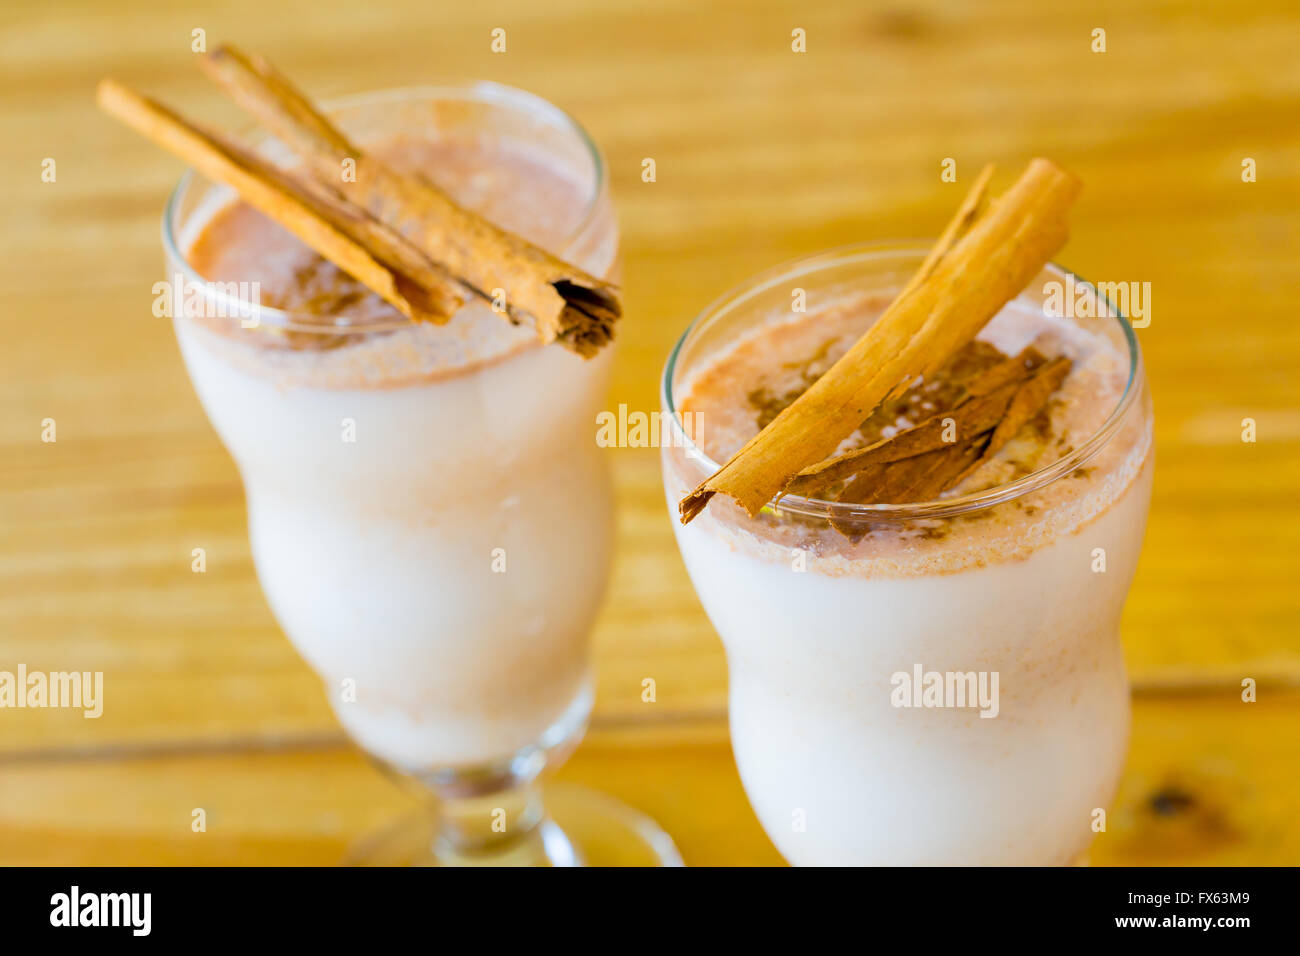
(429, 516)
(818, 629)
(416, 564)
(428, 510)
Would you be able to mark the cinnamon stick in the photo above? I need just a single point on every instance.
(998, 251)
(1030, 397)
(1015, 369)
(977, 416)
(987, 397)
(920, 480)
(563, 303)
(970, 209)
(331, 226)
(983, 426)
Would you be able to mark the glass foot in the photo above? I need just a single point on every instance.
(582, 828)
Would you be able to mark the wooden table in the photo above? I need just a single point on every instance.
(762, 155)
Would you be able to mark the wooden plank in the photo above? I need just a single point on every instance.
(1209, 782)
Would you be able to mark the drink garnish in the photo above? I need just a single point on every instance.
(394, 231)
(986, 255)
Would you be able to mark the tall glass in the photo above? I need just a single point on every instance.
(434, 537)
(1021, 584)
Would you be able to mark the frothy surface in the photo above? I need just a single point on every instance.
(515, 186)
(733, 393)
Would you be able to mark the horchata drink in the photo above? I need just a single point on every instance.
(920, 603)
(381, 466)
(410, 403)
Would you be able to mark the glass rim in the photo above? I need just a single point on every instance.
(863, 252)
(479, 91)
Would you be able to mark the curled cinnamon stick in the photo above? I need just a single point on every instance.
(971, 207)
(995, 255)
(981, 427)
(563, 303)
(987, 397)
(1030, 396)
(331, 226)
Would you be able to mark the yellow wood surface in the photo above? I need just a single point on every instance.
(1221, 794)
(762, 155)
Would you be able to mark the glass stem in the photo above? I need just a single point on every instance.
(500, 828)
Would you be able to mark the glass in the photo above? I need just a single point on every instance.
(433, 534)
(1022, 583)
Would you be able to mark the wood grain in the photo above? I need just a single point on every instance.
(762, 155)
(1209, 782)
